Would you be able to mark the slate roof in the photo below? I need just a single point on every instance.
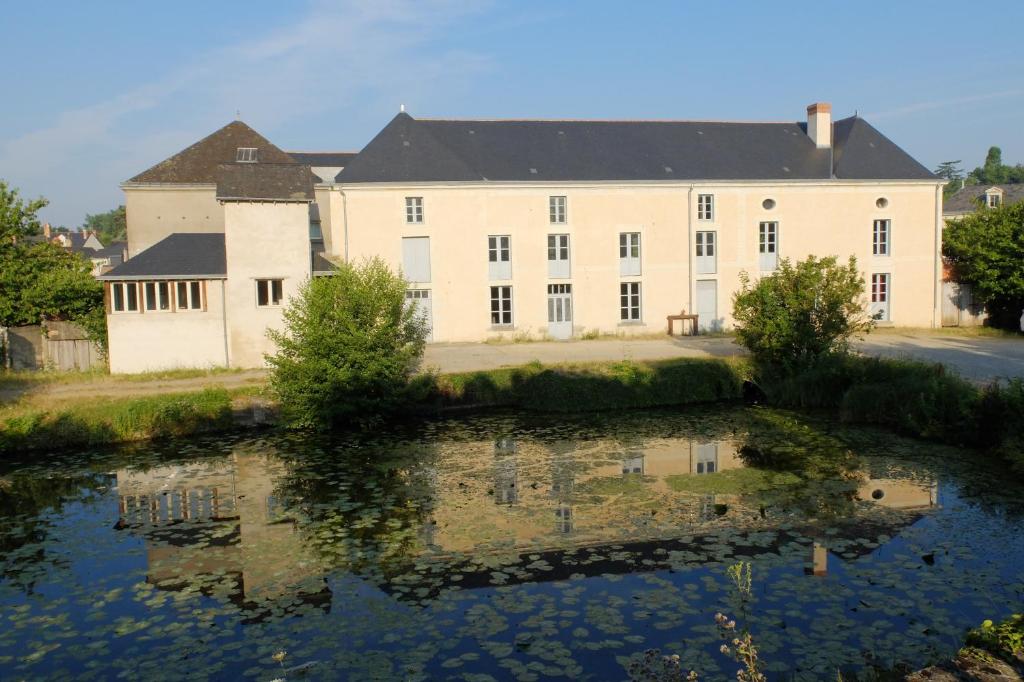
(329, 159)
(183, 254)
(967, 200)
(112, 249)
(198, 163)
(428, 150)
(264, 181)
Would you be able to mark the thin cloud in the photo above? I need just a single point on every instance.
(943, 104)
(330, 59)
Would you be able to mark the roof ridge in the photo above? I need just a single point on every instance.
(429, 119)
(336, 151)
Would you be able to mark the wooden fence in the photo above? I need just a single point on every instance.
(56, 345)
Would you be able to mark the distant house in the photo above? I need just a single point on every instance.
(971, 198)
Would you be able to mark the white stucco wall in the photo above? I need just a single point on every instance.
(151, 341)
(262, 241)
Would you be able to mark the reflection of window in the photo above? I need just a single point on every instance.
(563, 519)
(707, 458)
(877, 494)
(633, 465)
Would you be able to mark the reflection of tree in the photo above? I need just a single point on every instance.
(828, 473)
(27, 505)
(367, 513)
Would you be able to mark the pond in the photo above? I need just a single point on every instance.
(504, 546)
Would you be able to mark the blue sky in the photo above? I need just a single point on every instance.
(98, 91)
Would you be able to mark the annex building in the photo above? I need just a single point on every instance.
(516, 228)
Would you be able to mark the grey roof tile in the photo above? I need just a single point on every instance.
(264, 181)
(427, 150)
(330, 159)
(971, 197)
(198, 163)
(180, 255)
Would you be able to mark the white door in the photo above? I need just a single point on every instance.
(707, 305)
(880, 296)
(560, 311)
(421, 299)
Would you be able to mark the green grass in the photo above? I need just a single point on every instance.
(101, 421)
(586, 387)
(22, 378)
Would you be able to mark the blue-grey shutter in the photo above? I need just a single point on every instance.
(416, 258)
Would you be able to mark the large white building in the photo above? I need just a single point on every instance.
(516, 227)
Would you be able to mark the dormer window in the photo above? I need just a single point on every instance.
(246, 155)
(994, 197)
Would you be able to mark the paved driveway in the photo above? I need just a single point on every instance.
(977, 358)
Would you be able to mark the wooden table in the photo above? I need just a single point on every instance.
(684, 318)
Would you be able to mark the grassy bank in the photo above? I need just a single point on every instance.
(99, 421)
(912, 398)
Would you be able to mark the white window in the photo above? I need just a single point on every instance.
(246, 155)
(768, 246)
(501, 306)
(705, 207)
(556, 210)
(416, 258)
(880, 238)
(499, 256)
(414, 209)
(190, 296)
(558, 256)
(157, 295)
(629, 254)
(880, 296)
(707, 261)
(994, 200)
(269, 292)
(124, 297)
(629, 301)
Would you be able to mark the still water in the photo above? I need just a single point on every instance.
(504, 546)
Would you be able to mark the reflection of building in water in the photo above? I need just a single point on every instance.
(902, 495)
(506, 475)
(218, 519)
(675, 456)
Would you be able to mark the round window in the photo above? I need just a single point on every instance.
(877, 494)
(768, 204)
(881, 202)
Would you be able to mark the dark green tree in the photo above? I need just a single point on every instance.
(348, 349)
(110, 226)
(986, 250)
(950, 170)
(801, 312)
(40, 279)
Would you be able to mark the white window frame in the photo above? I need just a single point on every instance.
(193, 301)
(706, 251)
(271, 283)
(499, 256)
(161, 293)
(414, 210)
(559, 256)
(630, 310)
(501, 306)
(705, 207)
(246, 155)
(124, 288)
(881, 294)
(768, 244)
(881, 237)
(630, 250)
(558, 209)
(995, 200)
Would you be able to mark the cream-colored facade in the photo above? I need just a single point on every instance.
(812, 218)
(155, 211)
(562, 272)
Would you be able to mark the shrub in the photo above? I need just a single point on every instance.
(800, 312)
(349, 347)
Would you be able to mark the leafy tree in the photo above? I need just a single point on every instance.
(40, 279)
(995, 172)
(111, 226)
(986, 250)
(801, 313)
(349, 347)
(950, 170)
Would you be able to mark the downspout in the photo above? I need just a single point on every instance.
(344, 219)
(689, 250)
(224, 321)
(937, 307)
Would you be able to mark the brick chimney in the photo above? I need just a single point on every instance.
(819, 124)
